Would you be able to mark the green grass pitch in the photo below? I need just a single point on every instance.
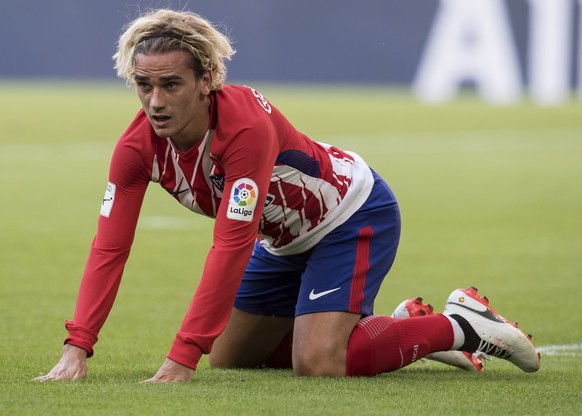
(490, 196)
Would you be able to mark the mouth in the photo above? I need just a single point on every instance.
(160, 120)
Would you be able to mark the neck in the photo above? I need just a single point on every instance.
(185, 145)
(196, 131)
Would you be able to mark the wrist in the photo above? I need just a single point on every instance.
(184, 353)
(77, 352)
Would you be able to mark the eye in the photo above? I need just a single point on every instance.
(143, 86)
(171, 85)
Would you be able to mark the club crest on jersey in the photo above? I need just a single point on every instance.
(243, 200)
(217, 181)
(269, 200)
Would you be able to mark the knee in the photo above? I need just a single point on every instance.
(320, 361)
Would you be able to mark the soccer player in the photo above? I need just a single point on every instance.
(304, 232)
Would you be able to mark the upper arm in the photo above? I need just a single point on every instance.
(123, 198)
(248, 164)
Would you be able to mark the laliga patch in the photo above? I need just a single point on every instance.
(243, 200)
(108, 199)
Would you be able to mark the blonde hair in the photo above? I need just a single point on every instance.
(162, 31)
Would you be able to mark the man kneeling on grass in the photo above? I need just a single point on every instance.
(304, 232)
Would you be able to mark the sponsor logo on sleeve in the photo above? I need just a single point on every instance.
(243, 200)
(108, 200)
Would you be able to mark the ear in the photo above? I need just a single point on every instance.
(206, 83)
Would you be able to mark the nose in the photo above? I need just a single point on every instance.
(157, 101)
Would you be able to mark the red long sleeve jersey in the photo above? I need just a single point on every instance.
(253, 172)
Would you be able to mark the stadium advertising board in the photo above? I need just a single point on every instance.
(473, 41)
(506, 50)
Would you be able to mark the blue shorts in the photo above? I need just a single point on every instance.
(343, 272)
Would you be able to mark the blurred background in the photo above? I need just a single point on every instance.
(506, 50)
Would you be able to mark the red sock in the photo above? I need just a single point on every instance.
(281, 358)
(379, 344)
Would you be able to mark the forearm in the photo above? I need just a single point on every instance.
(97, 293)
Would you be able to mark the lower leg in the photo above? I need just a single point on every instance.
(381, 344)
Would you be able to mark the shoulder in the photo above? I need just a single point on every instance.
(244, 122)
(139, 132)
(139, 138)
(135, 150)
(242, 103)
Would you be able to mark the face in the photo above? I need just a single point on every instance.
(175, 102)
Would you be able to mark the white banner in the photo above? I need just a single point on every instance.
(472, 42)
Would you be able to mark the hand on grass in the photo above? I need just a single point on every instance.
(71, 366)
(171, 372)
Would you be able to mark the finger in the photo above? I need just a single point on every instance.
(79, 374)
(149, 380)
(160, 379)
(52, 376)
(48, 377)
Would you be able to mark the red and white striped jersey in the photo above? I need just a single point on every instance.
(253, 172)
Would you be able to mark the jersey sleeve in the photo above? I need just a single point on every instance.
(110, 248)
(247, 160)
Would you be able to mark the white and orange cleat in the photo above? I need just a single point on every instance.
(488, 333)
(465, 360)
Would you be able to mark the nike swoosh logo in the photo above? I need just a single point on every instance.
(485, 314)
(313, 295)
